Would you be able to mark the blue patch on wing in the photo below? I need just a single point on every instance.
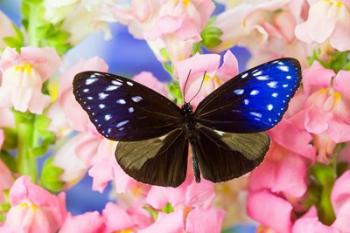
(254, 100)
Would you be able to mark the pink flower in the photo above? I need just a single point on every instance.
(282, 172)
(255, 22)
(215, 74)
(23, 75)
(147, 79)
(309, 223)
(33, 209)
(334, 16)
(104, 168)
(270, 210)
(76, 116)
(6, 178)
(325, 111)
(90, 222)
(190, 201)
(212, 224)
(6, 28)
(171, 25)
(118, 219)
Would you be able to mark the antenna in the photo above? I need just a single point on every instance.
(189, 73)
(200, 87)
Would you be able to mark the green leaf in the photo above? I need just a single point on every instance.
(10, 138)
(51, 176)
(9, 160)
(43, 137)
(168, 208)
(175, 91)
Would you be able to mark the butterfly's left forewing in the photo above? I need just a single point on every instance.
(124, 110)
(253, 101)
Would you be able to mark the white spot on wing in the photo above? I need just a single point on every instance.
(285, 85)
(257, 73)
(239, 91)
(272, 84)
(254, 92)
(275, 94)
(102, 96)
(90, 80)
(283, 68)
(269, 107)
(101, 106)
(256, 114)
(136, 98)
(90, 98)
(246, 101)
(86, 90)
(263, 78)
(108, 117)
(121, 101)
(131, 110)
(122, 123)
(288, 77)
(130, 83)
(118, 83)
(112, 88)
(244, 75)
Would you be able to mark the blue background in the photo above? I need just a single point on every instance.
(126, 56)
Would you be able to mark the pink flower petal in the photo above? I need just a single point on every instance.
(169, 223)
(316, 77)
(212, 224)
(117, 219)
(341, 190)
(147, 79)
(89, 222)
(270, 210)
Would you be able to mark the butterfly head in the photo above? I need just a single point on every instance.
(187, 109)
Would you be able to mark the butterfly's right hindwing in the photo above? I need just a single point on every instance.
(224, 156)
(124, 110)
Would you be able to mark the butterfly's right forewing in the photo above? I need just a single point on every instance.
(124, 110)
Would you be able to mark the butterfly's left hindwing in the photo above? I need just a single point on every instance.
(124, 110)
(157, 161)
(253, 101)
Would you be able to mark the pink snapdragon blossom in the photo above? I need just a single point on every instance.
(325, 111)
(6, 178)
(191, 201)
(6, 28)
(23, 75)
(171, 25)
(334, 16)
(89, 222)
(215, 74)
(147, 79)
(33, 209)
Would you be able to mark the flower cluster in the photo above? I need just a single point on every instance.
(303, 184)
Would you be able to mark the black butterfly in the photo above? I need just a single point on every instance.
(224, 131)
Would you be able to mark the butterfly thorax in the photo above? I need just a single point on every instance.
(190, 123)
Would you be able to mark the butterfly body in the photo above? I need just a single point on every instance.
(225, 131)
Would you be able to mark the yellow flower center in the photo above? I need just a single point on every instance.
(125, 231)
(335, 3)
(215, 79)
(28, 205)
(24, 68)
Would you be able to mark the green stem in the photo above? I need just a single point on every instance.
(26, 160)
(34, 13)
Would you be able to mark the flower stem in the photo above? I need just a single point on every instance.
(26, 160)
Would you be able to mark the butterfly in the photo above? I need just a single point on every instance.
(226, 131)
